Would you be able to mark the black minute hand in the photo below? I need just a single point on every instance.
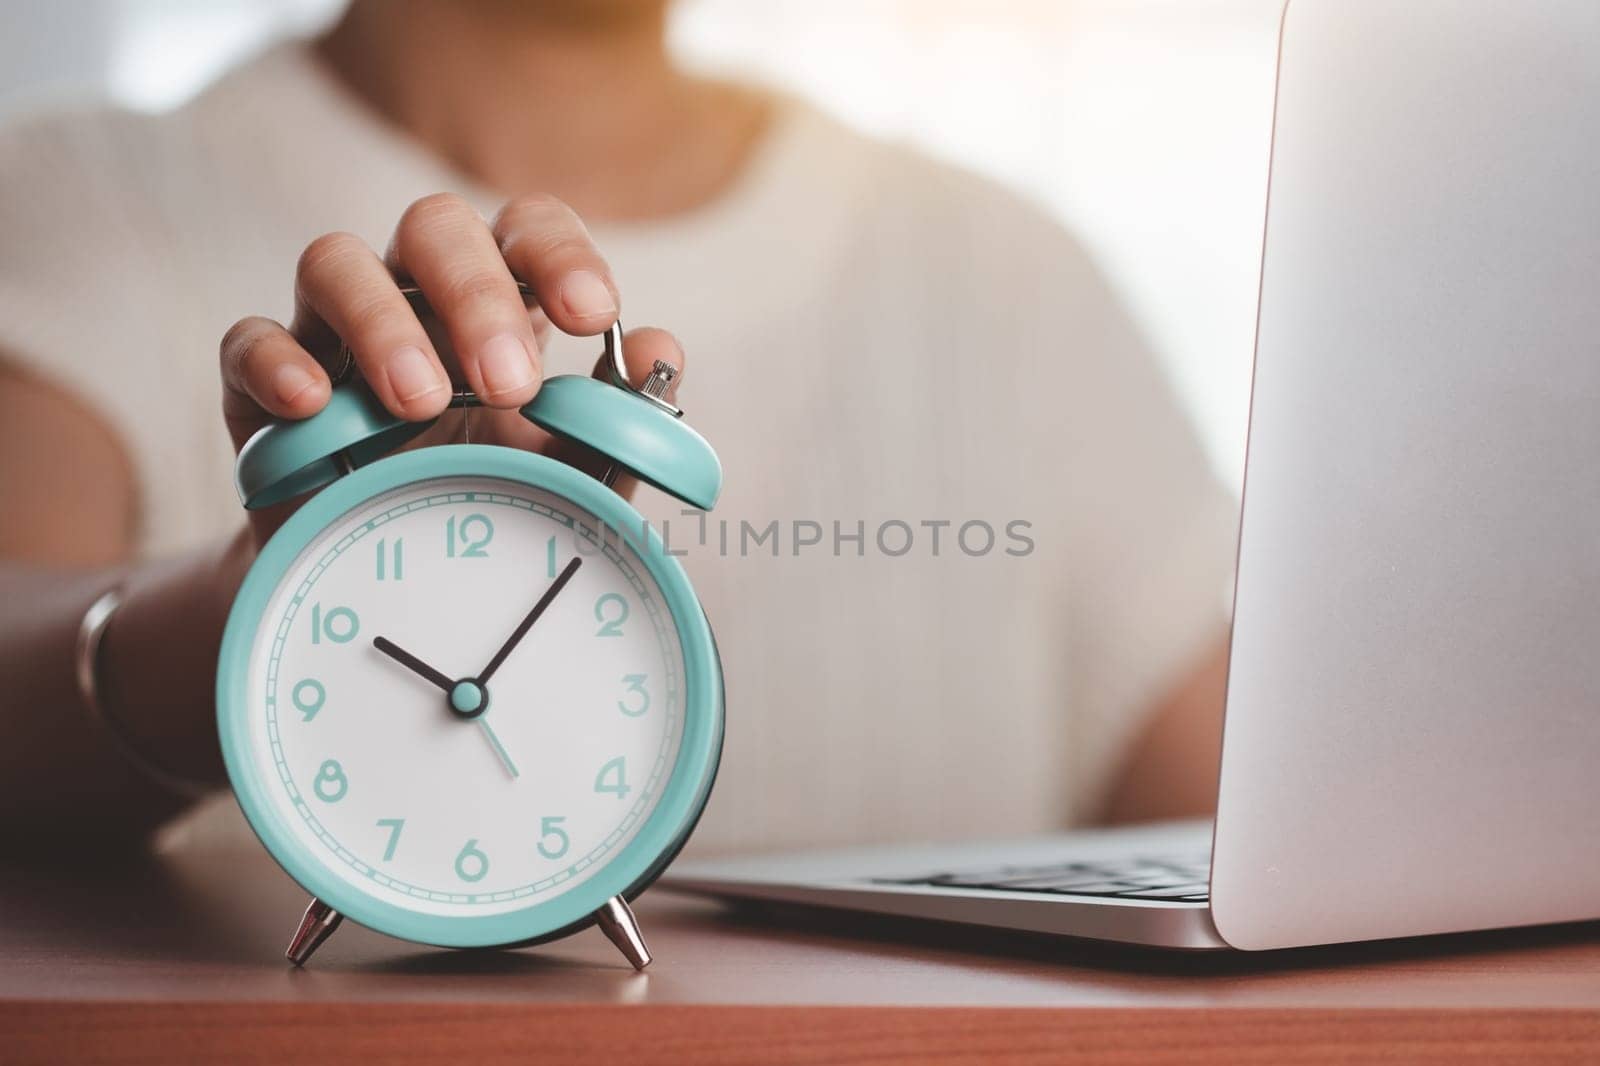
(533, 616)
(411, 662)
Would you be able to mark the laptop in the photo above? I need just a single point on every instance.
(1412, 737)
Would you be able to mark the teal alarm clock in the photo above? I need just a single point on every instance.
(465, 695)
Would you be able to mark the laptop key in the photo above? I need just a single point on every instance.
(1172, 878)
(1089, 888)
(1010, 875)
(1056, 884)
(977, 880)
(1173, 892)
(1168, 880)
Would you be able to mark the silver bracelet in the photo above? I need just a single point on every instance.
(86, 661)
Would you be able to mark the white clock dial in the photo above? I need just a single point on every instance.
(411, 788)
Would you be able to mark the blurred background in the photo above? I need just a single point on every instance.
(1143, 124)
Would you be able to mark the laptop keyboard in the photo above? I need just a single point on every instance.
(1174, 879)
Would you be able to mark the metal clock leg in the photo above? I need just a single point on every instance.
(622, 929)
(317, 925)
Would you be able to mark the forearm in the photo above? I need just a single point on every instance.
(1171, 768)
(64, 773)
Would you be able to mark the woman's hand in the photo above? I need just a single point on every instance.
(483, 336)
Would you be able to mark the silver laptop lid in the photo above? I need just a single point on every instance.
(1413, 727)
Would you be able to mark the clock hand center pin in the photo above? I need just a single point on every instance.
(466, 698)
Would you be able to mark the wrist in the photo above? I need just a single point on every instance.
(157, 664)
(227, 570)
(87, 666)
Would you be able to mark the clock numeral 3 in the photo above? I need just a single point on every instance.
(339, 624)
(331, 784)
(394, 825)
(616, 771)
(550, 828)
(610, 610)
(470, 538)
(472, 864)
(391, 562)
(308, 697)
(635, 683)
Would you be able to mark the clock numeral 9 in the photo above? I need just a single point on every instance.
(470, 538)
(610, 610)
(339, 625)
(472, 864)
(551, 828)
(391, 562)
(616, 771)
(331, 784)
(635, 683)
(308, 697)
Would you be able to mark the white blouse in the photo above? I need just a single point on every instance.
(997, 540)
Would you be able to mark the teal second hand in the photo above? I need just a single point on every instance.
(474, 693)
(499, 749)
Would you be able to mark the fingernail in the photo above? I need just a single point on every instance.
(505, 365)
(290, 380)
(412, 374)
(583, 294)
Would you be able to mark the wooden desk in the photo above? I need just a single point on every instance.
(181, 960)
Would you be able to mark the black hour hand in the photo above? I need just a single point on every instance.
(412, 663)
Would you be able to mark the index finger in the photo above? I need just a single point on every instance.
(546, 245)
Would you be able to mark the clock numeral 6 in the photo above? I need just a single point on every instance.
(339, 624)
(472, 864)
(468, 539)
(394, 825)
(391, 562)
(308, 697)
(616, 772)
(331, 784)
(610, 610)
(551, 828)
(635, 683)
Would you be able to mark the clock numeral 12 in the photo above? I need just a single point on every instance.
(616, 771)
(398, 557)
(339, 624)
(470, 538)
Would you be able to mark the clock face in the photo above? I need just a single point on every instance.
(426, 741)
